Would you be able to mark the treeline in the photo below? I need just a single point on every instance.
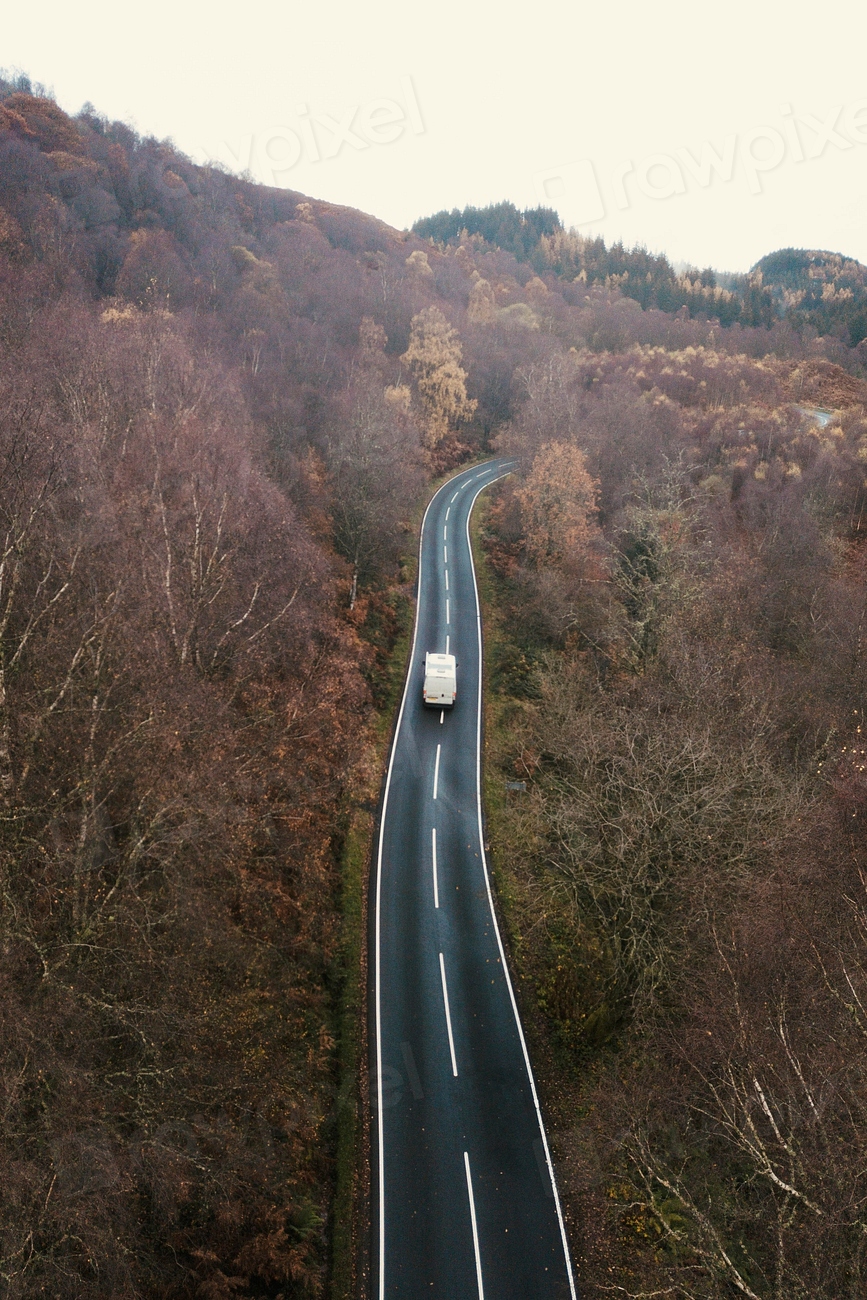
(679, 679)
(499, 224)
(537, 236)
(651, 281)
(823, 292)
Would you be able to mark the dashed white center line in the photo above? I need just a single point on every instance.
(448, 611)
(435, 882)
(447, 645)
(445, 555)
(475, 1227)
(455, 497)
(451, 1039)
(442, 711)
(447, 579)
(445, 532)
(436, 773)
(448, 509)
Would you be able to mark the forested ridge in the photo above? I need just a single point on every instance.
(220, 407)
(824, 293)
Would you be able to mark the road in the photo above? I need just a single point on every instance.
(817, 413)
(464, 1199)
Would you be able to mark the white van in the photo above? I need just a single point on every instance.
(440, 684)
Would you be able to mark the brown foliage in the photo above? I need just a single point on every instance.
(41, 121)
(825, 384)
(558, 504)
(434, 359)
(204, 416)
(687, 870)
(176, 711)
(153, 272)
(11, 237)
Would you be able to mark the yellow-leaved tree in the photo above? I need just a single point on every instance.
(481, 308)
(434, 358)
(558, 504)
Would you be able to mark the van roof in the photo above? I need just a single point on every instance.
(439, 661)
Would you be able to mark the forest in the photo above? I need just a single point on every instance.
(222, 408)
(818, 293)
(681, 690)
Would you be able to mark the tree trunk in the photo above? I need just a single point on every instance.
(6, 779)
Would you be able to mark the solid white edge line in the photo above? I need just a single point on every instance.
(475, 1227)
(533, 1091)
(436, 772)
(448, 1016)
(434, 856)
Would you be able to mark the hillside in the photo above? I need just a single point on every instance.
(824, 290)
(221, 406)
(537, 236)
(676, 603)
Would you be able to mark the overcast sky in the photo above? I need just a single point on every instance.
(714, 133)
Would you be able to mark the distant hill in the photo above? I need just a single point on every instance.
(822, 290)
(818, 288)
(537, 236)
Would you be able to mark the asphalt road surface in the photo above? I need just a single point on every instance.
(464, 1199)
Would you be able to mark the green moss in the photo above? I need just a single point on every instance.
(354, 862)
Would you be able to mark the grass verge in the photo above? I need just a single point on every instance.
(350, 1212)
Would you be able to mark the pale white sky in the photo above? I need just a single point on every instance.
(401, 109)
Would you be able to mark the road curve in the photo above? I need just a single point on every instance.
(464, 1199)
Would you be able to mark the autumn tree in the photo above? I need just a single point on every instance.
(372, 340)
(37, 118)
(35, 570)
(153, 272)
(434, 358)
(481, 308)
(374, 464)
(419, 265)
(558, 503)
(550, 394)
